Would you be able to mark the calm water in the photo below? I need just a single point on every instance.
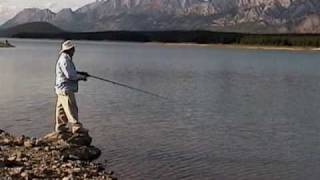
(240, 114)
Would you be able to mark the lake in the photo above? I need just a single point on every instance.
(234, 113)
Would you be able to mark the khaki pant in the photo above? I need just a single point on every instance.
(67, 112)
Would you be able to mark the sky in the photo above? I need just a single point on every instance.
(9, 8)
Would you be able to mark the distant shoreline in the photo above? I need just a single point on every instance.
(5, 45)
(285, 42)
(240, 46)
(296, 42)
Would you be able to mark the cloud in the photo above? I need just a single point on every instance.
(8, 8)
(7, 12)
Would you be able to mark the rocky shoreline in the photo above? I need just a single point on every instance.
(56, 156)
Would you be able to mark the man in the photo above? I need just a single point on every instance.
(66, 86)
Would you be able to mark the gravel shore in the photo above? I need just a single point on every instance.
(55, 156)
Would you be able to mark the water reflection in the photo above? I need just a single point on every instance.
(241, 114)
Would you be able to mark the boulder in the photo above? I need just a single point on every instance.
(73, 146)
(81, 139)
(84, 153)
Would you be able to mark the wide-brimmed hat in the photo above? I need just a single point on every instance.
(67, 45)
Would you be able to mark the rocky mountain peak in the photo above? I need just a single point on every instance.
(31, 15)
(249, 15)
(66, 11)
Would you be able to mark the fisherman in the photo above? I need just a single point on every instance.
(66, 86)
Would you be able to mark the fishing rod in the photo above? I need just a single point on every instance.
(123, 85)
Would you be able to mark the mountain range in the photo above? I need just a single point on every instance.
(254, 16)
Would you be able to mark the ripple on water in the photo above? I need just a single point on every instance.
(238, 114)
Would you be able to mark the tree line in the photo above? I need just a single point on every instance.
(200, 37)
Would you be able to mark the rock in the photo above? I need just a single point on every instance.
(38, 143)
(2, 165)
(5, 141)
(111, 178)
(50, 138)
(19, 155)
(12, 158)
(24, 175)
(83, 153)
(80, 139)
(76, 170)
(28, 143)
(17, 170)
(70, 177)
(100, 168)
(20, 141)
(74, 146)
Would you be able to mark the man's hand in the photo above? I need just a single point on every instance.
(83, 76)
(83, 73)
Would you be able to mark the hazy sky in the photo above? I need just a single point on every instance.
(8, 8)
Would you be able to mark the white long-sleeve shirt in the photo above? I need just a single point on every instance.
(66, 75)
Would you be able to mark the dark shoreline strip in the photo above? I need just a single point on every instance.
(198, 37)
